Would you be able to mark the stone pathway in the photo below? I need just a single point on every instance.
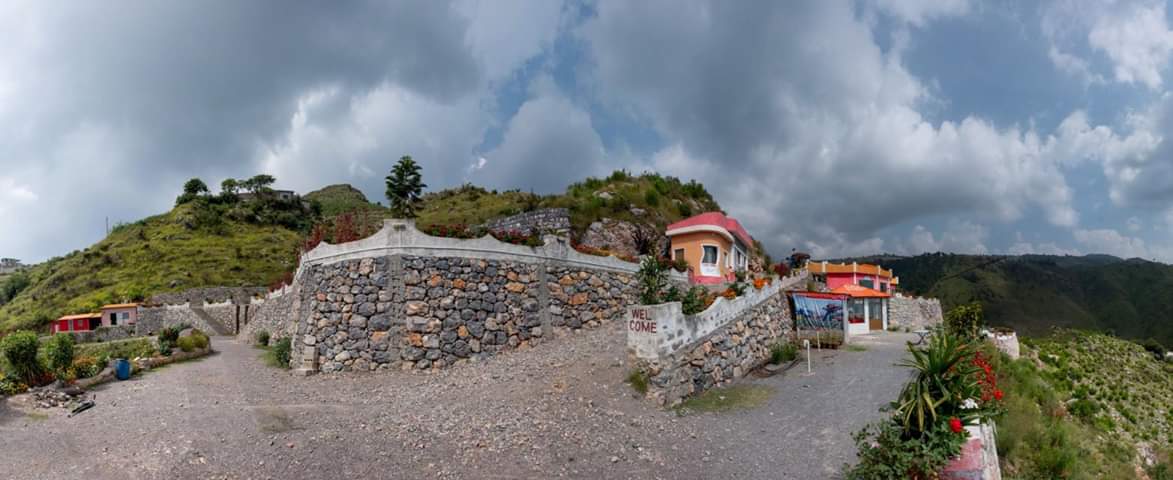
(557, 410)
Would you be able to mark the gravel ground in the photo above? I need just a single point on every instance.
(557, 410)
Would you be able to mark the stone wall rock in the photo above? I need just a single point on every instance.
(914, 313)
(104, 334)
(152, 319)
(422, 312)
(722, 356)
(196, 296)
(541, 221)
(274, 314)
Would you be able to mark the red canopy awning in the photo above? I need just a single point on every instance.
(856, 291)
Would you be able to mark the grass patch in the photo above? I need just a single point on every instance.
(855, 347)
(783, 352)
(737, 397)
(638, 381)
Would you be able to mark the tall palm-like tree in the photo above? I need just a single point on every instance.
(404, 186)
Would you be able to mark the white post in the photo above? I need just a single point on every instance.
(807, 344)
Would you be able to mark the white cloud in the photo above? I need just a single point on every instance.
(958, 236)
(919, 12)
(1137, 40)
(1111, 242)
(1134, 224)
(548, 144)
(821, 129)
(1134, 37)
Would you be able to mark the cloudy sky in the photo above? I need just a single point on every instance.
(843, 128)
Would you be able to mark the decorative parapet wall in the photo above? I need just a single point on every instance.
(913, 313)
(686, 355)
(403, 299)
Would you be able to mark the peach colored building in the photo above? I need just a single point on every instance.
(120, 314)
(715, 246)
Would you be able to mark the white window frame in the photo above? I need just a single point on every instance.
(716, 265)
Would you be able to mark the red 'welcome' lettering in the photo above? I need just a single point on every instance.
(643, 326)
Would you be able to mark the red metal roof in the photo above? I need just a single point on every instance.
(857, 291)
(717, 219)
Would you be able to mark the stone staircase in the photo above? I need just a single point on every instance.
(217, 327)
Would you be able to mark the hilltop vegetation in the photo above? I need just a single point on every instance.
(204, 241)
(1130, 298)
(224, 240)
(1085, 405)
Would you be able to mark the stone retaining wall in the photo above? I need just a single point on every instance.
(152, 319)
(273, 314)
(914, 313)
(104, 334)
(545, 220)
(686, 355)
(239, 295)
(403, 299)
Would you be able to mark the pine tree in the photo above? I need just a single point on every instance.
(404, 186)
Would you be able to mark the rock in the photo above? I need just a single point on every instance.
(515, 287)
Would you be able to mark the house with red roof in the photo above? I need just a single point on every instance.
(714, 245)
(868, 288)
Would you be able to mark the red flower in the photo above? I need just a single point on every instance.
(955, 424)
(998, 394)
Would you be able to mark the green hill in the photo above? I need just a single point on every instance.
(219, 240)
(1032, 293)
(1085, 405)
(187, 247)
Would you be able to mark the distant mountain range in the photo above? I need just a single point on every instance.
(1131, 298)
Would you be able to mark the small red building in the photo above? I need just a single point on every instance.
(81, 322)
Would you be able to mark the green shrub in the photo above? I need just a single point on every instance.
(783, 352)
(128, 349)
(638, 381)
(262, 337)
(187, 343)
(59, 352)
(887, 451)
(168, 335)
(965, 320)
(652, 277)
(944, 377)
(85, 367)
(282, 350)
(199, 339)
(694, 300)
(20, 353)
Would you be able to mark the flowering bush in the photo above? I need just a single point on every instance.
(516, 237)
(760, 283)
(680, 265)
(457, 230)
(782, 269)
(729, 293)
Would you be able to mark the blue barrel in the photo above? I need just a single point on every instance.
(122, 369)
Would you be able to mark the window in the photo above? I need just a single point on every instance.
(678, 254)
(124, 316)
(884, 287)
(866, 282)
(710, 254)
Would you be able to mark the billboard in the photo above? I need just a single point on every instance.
(814, 310)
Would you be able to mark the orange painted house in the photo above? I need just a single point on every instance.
(715, 246)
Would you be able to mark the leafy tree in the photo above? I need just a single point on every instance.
(229, 186)
(194, 187)
(259, 183)
(404, 186)
(652, 277)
